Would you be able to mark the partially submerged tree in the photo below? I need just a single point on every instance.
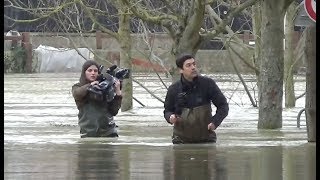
(124, 34)
(256, 23)
(311, 105)
(272, 63)
(289, 58)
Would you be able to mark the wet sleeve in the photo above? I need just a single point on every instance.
(220, 101)
(115, 105)
(78, 92)
(169, 107)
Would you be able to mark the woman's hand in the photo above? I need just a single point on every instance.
(94, 83)
(117, 86)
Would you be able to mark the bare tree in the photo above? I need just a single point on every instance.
(183, 21)
(231, 41)
(272, 65)
(311, 105)
(256, 22)
(289, 58)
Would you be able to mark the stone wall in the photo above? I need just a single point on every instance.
(208, 60)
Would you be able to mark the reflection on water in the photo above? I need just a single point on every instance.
(41, 138)
(91, 160)
(97, 161)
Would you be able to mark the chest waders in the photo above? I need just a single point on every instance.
(95, 121)
(192, 127)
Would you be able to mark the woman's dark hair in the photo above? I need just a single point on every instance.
(182, 58)
(83, 80)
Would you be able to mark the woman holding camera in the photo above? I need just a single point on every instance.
(95, 112)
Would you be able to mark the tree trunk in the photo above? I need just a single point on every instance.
(311, 82)
(271, 67)
(288, 56)
(125, 57)
(256, 21)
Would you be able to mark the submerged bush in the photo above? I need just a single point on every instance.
(15, 60)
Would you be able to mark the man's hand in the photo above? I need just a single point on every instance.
(173, 119)
(211, 127)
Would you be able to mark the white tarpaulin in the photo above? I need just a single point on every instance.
(51, 59)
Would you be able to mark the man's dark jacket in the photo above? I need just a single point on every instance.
(189, 95)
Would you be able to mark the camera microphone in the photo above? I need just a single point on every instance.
(111, 68)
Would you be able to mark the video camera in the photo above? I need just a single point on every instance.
(119, 73)
(105, 90)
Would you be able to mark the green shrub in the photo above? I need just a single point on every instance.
(15, 60)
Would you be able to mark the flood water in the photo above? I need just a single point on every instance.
(42, 141)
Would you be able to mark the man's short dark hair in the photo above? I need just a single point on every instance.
(181, 59)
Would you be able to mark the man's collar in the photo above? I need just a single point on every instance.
(185, 81)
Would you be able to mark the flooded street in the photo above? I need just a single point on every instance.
(42, 140)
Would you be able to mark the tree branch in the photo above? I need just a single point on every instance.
(231, 14)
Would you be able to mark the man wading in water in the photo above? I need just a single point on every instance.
(188, 105)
